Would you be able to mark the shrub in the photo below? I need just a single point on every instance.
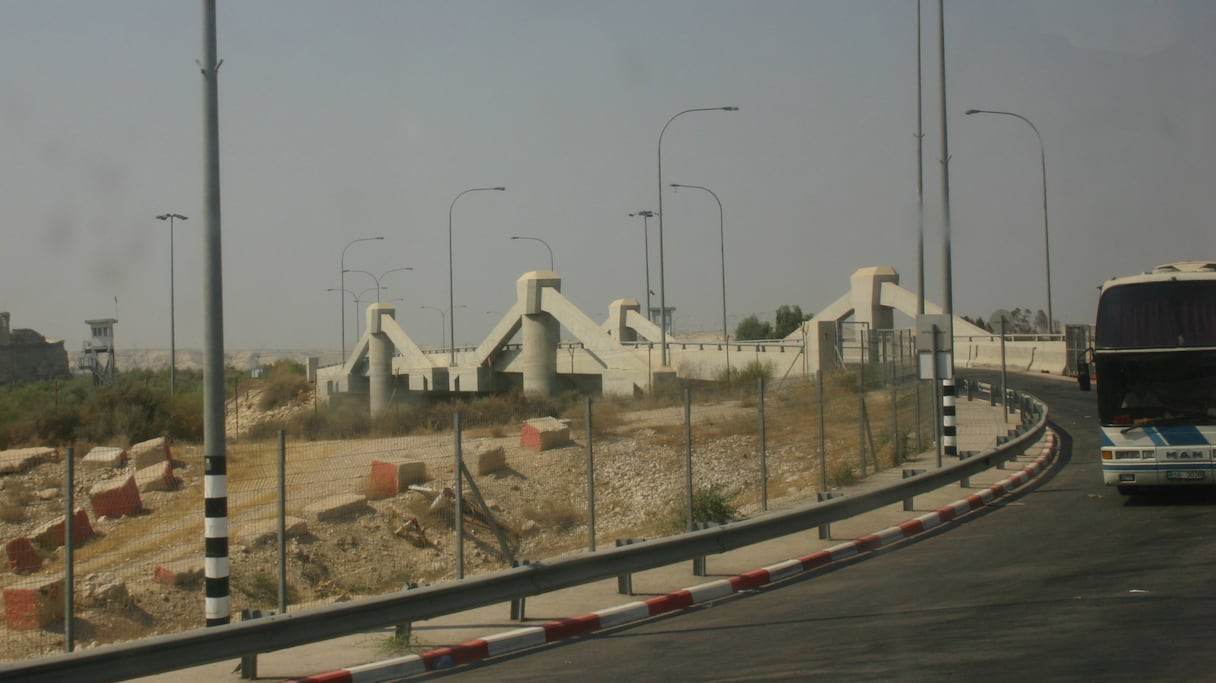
(285, 383)
(713, 504)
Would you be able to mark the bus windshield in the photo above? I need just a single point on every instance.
(1157, 387)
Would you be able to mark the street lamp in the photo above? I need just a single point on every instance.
(451, 279)
(1051, 321)
(358, 317)
(646, 216)
(662, 278)
(722, 242)
(443, 342)
(342, 279)
(172, 333)
(355, 297)
(537, 239)
(377, 279)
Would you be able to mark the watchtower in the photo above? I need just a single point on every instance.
(97, 354)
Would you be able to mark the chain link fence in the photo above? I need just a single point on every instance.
(316, 521)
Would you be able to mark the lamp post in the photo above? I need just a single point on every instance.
(353, 296)
(377, 279)
(722, 243)
(662, 278)
(1051, 321)
(646, 216)
(359, 318)
(443, 342)
(451, 279)
(537, 239)
(342, 280)
(172, 332)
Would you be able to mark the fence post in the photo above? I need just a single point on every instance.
(69, 547)
(763, 449)
(459, 491)
(823, 457)
(590, 483)
(282, 522)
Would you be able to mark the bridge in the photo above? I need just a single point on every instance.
(526, 349)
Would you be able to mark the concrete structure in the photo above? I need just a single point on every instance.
(560, 348)
(26, 356)
(97, 352)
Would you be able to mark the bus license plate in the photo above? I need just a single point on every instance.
(1190, 476)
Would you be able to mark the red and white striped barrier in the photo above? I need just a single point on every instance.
(532, 636)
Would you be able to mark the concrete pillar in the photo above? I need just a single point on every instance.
(379, 357)
(618, 311)
(541, 333)
(866, 287)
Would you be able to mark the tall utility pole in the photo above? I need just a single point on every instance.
(920, 178)
(215, 461)
(949, 425)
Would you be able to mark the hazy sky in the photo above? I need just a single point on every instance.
(342, 120)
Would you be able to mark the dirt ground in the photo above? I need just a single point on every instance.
(534, 509)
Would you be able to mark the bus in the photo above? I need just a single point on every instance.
(1155, 370)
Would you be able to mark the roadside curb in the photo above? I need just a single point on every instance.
(515, 640)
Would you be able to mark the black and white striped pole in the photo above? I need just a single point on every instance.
(215, 465)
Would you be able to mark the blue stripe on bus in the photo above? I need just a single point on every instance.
(1182, 435)
(1170, 435)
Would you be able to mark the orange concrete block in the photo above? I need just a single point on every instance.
(33, 604)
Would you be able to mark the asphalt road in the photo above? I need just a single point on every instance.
(1065, 581)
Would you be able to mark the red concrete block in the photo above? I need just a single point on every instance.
(51, 535)
(21, 555)
(33, 604)
(390, 477)
(544, 433)
(115, 497)
(180, 573)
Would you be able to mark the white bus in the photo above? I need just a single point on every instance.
(1155, 368)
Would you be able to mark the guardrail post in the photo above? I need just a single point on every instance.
(404, 630)
(965, 482)
(825, 530)
(970, 390)
(249, 663)
(698, 563)
(518, 604)
(624, 582)
(908, 501)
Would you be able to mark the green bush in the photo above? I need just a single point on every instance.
(713, 504)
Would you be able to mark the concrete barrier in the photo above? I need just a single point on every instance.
(33, 604)
(390, 477)
(115, 497)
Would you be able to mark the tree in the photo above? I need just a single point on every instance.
(1040, 322)
(789, 318)
(751, 327)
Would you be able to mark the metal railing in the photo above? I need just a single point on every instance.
(165, 653)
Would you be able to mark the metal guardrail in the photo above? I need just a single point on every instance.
(167, 653)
